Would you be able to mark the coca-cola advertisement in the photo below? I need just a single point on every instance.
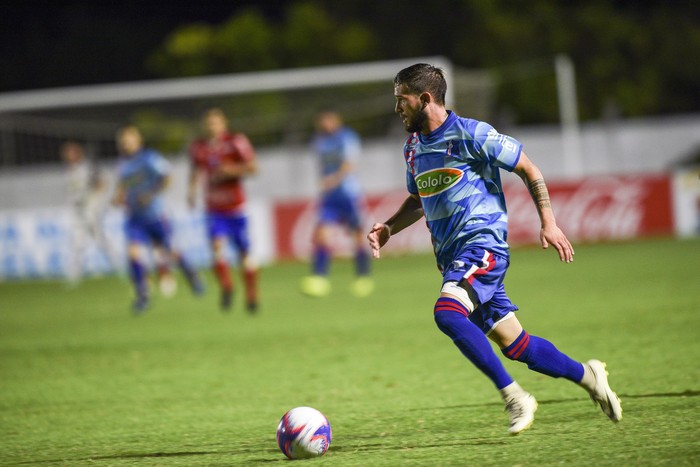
(592, 209)
(596, 208)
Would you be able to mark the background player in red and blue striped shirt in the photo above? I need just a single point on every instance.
(220, 160)
(453, 180)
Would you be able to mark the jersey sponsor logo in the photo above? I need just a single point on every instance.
(505, 141)
(434, 182)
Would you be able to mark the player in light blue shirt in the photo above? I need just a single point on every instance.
(453, 178)
(337, 148)
(143, 174)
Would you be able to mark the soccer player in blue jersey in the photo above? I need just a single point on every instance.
(337, 148)
(143, 174)
(453, 181)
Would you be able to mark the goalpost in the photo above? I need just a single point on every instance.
(272, 107)
(233, 84)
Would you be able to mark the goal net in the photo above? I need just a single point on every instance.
(272, 108)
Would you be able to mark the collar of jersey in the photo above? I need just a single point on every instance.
(439, 131)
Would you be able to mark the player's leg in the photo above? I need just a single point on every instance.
(317, 284)
(542, 356)
(136, 238)
(163, 265)
(238, 235)
(139, 276)
(451, 316)
(471, 279)
(161, 236)
(363, 285)
(216, 230)
(222, 271)
(138, 273)
(78, 237)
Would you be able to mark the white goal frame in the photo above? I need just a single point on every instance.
(230, 84)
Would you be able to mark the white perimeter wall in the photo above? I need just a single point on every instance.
(631, 146)
(624, 147)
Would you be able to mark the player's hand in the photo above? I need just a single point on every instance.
(329, 182)
(552, 235)
(145, 199)
(378, 237)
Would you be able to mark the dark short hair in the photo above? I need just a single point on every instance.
(420, 78)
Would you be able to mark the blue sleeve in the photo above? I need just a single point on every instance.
(411, 183)
(351, 146)
(498, 150)
(159, 165)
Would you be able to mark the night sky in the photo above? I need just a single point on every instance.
(65, 43)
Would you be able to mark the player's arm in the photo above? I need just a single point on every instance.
(410, 211)
(147, 197)
(232, 170)
(119, 197)
(245, 166)
(197, 174)
(334, 179)
(550, 233)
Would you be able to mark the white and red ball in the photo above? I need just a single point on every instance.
(303, 432)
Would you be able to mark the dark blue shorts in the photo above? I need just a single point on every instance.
(345, 210)
(233, 227)
(481, 273)
(148, 231)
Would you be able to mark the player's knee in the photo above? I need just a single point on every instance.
(447, 313)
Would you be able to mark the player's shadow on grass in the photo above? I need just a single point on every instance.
(165, 455)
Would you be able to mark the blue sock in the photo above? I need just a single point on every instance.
(190, 274)
(451, 318)
(138, 277)
(362, 262)
(541, 356)
(321, 261)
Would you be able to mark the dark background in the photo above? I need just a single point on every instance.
(636, 58)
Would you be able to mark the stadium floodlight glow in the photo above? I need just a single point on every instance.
(230, 84)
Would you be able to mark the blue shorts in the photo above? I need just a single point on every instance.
(481, 273)
(148, 231)
(233, 227)
(336, 209)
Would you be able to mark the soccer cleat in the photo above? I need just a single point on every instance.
(315, 286)
(226, 300)
(602, 394)
(197, 287)
(521, 411)
(252, 307)
(140, 305)
(363, 286)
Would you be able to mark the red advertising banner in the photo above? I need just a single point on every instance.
(596, 208)
(593, 209)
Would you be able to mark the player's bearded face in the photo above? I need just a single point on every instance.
(410, 109)
(415, 121)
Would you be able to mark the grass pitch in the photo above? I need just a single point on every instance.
(83, 382)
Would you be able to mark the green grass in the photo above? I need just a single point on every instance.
(82, 382)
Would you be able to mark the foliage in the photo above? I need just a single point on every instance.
(249, 42)
(636, 58)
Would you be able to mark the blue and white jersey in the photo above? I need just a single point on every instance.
(455, 172)
(142, 176)
(333, 150)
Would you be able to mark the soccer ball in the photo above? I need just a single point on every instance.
(303, 432)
